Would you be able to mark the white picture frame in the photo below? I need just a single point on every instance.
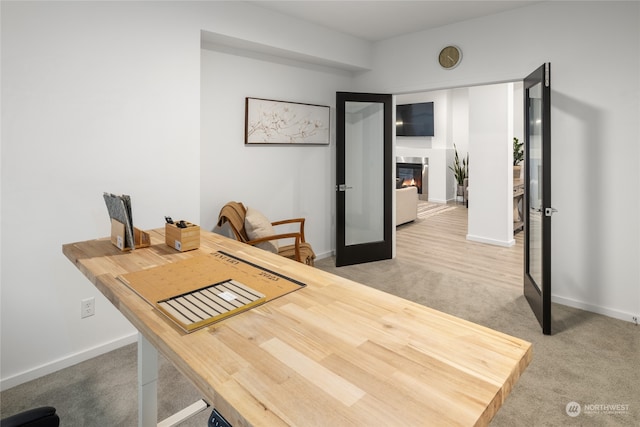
(269, 121)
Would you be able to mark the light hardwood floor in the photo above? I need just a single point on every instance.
(439, 243)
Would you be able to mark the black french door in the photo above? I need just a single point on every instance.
(364, 177)
(537, 200)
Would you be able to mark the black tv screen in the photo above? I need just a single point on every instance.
(414, 119)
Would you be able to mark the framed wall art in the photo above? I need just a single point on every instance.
(280, 122)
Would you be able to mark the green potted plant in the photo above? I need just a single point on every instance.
(460, 170)
(518, 156)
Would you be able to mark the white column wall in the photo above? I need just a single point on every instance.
(490, 130)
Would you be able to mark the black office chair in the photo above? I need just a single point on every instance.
(38, 417)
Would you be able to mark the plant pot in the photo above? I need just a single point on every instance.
(517, 171)
(459, 192)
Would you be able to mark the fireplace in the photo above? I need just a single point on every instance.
(413, 171)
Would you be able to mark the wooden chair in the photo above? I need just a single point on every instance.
(234, 213)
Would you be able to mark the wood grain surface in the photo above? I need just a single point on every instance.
(335, 353)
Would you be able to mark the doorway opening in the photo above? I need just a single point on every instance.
(463, 115)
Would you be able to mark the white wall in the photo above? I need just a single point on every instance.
(94, 100)
(441, 120)
(490, 218)
(594, 127)
(251, 27)
(281, 181)
(105, 96)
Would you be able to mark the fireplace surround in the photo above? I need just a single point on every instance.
(413, 171)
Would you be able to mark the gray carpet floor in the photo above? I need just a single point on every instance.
(591, 359)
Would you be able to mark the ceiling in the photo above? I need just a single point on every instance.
(379, 20)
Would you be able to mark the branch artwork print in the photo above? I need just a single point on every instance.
(277, 122)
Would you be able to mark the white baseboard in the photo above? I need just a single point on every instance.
(432, 200)
(616, 314)
(324, 255)
(65, 362)
(479, 239)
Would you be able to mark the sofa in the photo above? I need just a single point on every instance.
(406, 205)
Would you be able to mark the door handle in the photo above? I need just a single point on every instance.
(343, 187)
(547, 211)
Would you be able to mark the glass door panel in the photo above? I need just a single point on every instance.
(535, 182)
(364, 152)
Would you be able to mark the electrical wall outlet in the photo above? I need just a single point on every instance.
(87, 307)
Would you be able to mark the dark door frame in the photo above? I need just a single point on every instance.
(373, 251)
(539, 294)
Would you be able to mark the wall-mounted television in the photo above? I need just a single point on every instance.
(414, 119)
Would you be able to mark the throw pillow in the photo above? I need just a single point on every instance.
(257, 225)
